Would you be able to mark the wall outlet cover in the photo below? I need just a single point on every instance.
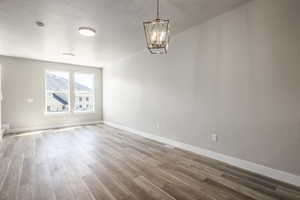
(214, 137)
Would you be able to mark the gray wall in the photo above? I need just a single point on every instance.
(23, 79)
(237, 75)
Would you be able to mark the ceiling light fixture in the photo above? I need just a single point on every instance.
(87, 31)
(157, 34)
(68, 55)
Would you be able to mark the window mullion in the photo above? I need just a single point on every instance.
(72, 91)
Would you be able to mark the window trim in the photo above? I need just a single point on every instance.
(46, 92)
(74, 93)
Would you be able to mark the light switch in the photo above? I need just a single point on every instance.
(30, 100)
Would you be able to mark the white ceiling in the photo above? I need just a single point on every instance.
(118, 24)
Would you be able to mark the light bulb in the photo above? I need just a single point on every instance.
(153, 36)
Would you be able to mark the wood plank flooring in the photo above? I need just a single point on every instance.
(100, 162)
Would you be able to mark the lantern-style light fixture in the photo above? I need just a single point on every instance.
(157, 34)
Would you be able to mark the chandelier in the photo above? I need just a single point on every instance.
(157, 34)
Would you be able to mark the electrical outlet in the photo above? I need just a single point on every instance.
(5, 126)
(157, 125)
(214, 137)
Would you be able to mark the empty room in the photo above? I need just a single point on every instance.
(150, 100)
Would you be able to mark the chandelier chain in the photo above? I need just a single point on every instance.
(157, 10)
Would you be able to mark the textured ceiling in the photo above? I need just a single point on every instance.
(118, 24)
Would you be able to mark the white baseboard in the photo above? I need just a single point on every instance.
(30, 129)
(250, 166)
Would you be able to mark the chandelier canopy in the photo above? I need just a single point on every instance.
(157, 34)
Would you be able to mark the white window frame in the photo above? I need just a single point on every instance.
(46, 92)
(74, 93)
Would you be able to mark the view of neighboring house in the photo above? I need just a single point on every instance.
(84, 101)
(57, 88)
(57, 102)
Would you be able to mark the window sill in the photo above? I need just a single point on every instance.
(56, 113)
(79, 113)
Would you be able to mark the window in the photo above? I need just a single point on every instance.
(84, 92)
(57, 92)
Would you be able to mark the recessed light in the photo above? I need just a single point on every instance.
(68, 55)
(87, 31)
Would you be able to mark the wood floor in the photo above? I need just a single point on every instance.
(98, 162)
